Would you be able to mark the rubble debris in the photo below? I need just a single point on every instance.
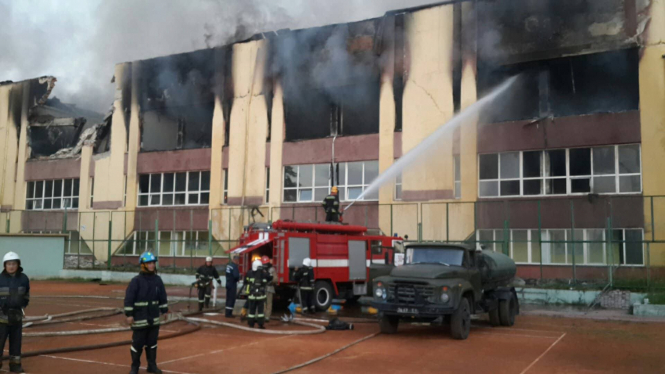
(89, 136)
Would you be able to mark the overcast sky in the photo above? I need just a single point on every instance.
(80, 41)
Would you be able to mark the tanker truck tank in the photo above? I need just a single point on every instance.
(496, 269)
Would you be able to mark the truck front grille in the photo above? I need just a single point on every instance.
(406, 293)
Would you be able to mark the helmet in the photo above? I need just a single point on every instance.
(265, 260)
(208, 259)
(256, 265)
(307, 262)
(334, 189)
(11, 256)
(147, 257)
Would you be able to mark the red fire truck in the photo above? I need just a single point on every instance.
(345, 257)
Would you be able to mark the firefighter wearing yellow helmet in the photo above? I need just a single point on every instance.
(331, 205)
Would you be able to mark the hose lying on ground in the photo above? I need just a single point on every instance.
(317, 329)
(179, 317)
(101, 346)
(313, 361)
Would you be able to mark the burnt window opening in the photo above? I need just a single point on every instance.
(177, 128)
(347, 110)
(578, 85)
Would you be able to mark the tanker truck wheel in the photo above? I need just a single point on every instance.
(460, 322)
(507, 311)
(323, 295)
(388, 324)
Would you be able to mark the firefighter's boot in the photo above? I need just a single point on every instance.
(136, 360)
(15, 365)
(200, 306)
(151, 354)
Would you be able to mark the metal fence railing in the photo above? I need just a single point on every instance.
(585, 241)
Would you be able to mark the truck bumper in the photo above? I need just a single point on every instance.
(413, 311)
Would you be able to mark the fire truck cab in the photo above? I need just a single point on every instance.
(345, 258)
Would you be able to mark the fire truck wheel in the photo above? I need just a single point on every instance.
(323, 295)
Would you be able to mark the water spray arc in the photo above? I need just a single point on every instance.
(446, 129)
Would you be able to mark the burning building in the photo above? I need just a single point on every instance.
(272, 122)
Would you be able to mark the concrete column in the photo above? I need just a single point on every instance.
(249, 124)
(469, 131)
(217, 172)
(84, 182)
(428, 101)
(5, 137)
(13, 93)
(134, 145)
(23, 152)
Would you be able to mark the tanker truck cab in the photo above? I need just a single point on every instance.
(446, 283)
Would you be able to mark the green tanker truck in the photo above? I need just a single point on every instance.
(447, 283)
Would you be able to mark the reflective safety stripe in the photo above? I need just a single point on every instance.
(143, 303)
(261, 315)
(154, 347)
(207, 296)
(229, 308)
(306, 288)
(133, 349)
(129, 308)
(201, 301)
(164, 306)
(250, 316)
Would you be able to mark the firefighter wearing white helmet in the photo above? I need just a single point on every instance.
(305, 278)
(204, 277)
(256, 282)
(12, 303)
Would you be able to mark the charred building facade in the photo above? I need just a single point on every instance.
(274, 121)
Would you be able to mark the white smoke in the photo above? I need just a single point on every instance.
(80, 41)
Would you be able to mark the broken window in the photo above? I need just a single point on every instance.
(177, 128)
(52, 194)
(596, 83)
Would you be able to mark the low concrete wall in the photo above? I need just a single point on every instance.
(41, 255)
(649, 310)
(121, 276)
(569, 297)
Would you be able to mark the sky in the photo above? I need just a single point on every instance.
(80, 41)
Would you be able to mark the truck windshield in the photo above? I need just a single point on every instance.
(435, 255)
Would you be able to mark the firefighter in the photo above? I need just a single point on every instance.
(270, 290)
(305, 278)
(15, 297)
(145, 301)
(331, 206)
(257, 280)
(232, 278)
(204, 276)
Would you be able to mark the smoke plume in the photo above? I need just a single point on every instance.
(80, 41)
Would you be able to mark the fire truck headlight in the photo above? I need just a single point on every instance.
(380, 293)
(445, 297)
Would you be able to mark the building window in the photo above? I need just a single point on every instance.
(603, 170)
(457, 171)
(170, 243)
(309, 183)
(226, 186)
(52, 194)
(173, 189)
(589, 246)
(92, 191)
(267, 185)
(398, 187)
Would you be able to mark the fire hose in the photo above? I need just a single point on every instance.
(317, 329)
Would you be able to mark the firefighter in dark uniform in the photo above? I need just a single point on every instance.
(145, 302)
(204, 276)
(14, 296)
(305, 278)
(232, 278)
(256, 282)
(331, 206)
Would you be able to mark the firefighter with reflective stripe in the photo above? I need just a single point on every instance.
(270, 289)
(305, 278)
(204, 276)
(14, 296)
(232, 278)
(145, 302)
(331, 206)
(256, 282)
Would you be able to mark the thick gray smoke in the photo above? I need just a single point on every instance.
(80, 41)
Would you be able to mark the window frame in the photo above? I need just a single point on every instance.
(585, 241)
(344, 187)
(67, 202)
(199, 192)
(617, 174)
